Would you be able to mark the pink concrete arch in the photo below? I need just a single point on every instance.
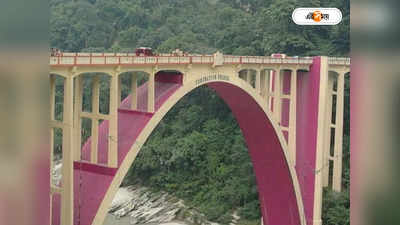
(275, 182)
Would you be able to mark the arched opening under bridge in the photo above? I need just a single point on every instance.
(279, 193)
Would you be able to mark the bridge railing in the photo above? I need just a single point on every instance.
(339, 61)
(71, 59)
(231, 59)
(106, 59)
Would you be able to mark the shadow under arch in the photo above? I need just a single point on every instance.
(278, 188)
(249, 75)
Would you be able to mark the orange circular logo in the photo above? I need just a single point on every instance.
(317, 16)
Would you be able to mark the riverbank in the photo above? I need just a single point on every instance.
(138, 205)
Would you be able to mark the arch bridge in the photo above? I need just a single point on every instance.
(290, 111)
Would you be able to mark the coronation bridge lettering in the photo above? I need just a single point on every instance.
(212, 77)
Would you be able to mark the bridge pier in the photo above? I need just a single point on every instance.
(95, 122)
(151, 92)
(134, 91)
(333, 152)
(338, 149)
(113, 128)
(52, 119)
(258, 81)
(266, 87)
(67, 193)
(263, 84)
(248, 77)
(77, 116)
(329, 126)
(292, 116)
(278, 95)
(321, 116)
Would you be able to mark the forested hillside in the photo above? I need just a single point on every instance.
(197, 152)
(248, 27)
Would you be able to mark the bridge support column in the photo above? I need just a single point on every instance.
(328, 125)
(52, 117)
(151, 92)
(271, 80)
(258, 81)
(262, 83)
(77, 117)
(113, 128)
(338, 152)
(292, 116)
(186, 76)
(119, 91)
(319, 158)
(248, 77)
(67, 196)
(265, 86)
(133, 91)
(278, 95)
(95, 122)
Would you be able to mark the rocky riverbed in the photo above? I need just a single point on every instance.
(138, 205)
(134, 205)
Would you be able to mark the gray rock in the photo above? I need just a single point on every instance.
(143, 206)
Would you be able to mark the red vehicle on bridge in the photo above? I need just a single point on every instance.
(278, 55)
(144, 51)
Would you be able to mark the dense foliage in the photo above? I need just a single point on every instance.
(248, 27)
(197, 151)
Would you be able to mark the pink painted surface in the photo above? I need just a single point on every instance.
(40, 176)
(56, 199)
(275, 187)
(170, 77)
(306, 132)
(285, 103)
(286, 82)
